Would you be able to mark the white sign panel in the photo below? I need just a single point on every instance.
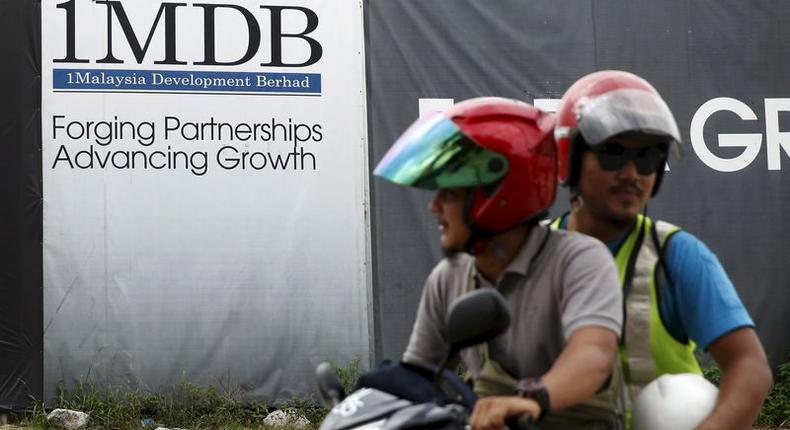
(205, 183)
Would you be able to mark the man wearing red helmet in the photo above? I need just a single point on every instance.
(613, 133)
(492, 162)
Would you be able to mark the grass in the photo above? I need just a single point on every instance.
(194, 407)
(776, 409)
(185, 405)
(348, 374)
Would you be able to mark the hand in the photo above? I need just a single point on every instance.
(490, 412)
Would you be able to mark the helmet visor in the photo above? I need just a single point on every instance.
(434, 153)
(627, 110)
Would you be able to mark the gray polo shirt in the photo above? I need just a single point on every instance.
(573, 283)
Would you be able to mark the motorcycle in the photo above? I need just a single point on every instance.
(474, 318)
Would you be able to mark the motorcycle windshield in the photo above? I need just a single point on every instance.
(434, 153)
(361, 408)
(626, 110)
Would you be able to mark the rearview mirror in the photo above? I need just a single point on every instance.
(476, 317)
(329, 387)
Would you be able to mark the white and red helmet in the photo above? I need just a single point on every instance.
(606, 104)
(674, 402)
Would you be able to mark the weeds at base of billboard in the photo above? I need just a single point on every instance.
(190, 406)
(184, 406)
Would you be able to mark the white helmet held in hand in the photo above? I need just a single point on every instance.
(674, 402)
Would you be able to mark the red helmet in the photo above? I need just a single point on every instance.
(502, 148)
(605, 104)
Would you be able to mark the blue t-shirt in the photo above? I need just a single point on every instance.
(701, 303)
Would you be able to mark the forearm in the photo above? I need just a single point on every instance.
(581, 369)
(741, 393)
(746, 379)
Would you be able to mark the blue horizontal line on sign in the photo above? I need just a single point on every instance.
(199, 93)
(161, 81)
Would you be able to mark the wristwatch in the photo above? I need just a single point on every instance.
(533, 388)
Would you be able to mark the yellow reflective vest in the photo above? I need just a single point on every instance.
(647, 349)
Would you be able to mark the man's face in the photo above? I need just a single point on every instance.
(615, 191)
(448, 206)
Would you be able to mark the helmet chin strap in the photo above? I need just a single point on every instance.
(478, 238)
(481, 239)
(497, 249)
(478, 241)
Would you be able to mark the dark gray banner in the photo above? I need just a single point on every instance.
(722, 67)
(21, 305)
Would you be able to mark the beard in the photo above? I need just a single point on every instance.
(467, 247)
(453, 250)
(451, 253)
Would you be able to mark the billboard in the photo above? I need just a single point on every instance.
(721, 67)
(205, 192)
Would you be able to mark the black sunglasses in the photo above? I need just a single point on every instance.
(647, 159)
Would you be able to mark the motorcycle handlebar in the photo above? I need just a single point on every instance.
(523, 422)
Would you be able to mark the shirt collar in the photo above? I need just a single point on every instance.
(613, 246)
(520, 263)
